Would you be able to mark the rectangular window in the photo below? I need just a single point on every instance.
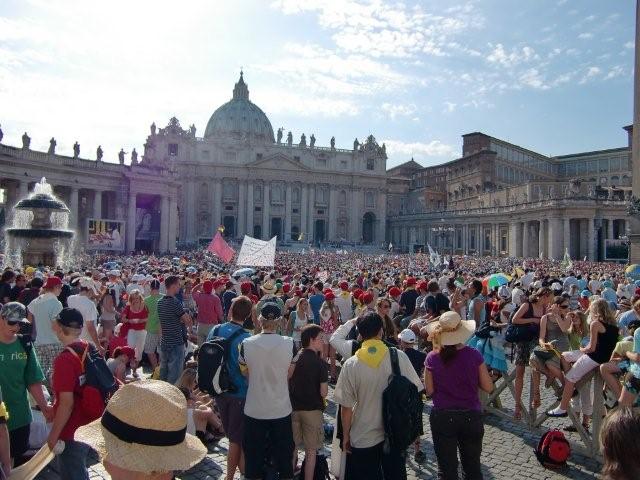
(371, 164)
(228, 207)
(258, 156)
(321, 162)
(257, 209)
(205, 154)
(296, 158)
(173, 149)
(320, 212)
(295, 210)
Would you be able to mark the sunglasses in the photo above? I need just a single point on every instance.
(564, 307)
(13, 323)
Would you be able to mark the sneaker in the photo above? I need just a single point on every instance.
(557, 412)
(420, 456)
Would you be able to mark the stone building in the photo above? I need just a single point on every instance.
(496, 199)
(502, 199)
(238, 175)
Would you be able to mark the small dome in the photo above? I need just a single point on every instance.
(240, 116)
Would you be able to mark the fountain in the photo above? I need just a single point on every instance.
(39, 234)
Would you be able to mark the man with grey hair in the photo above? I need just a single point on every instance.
(268, 360)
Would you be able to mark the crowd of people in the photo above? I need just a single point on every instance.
(315, 320)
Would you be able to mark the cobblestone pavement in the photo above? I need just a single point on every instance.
(507, 453)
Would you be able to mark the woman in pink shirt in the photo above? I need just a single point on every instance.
(209, 309)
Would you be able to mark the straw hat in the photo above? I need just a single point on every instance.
(450, 329)
(269, 287)
(143, 429)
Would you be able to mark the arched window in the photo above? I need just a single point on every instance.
(342, 200)
(369, 200)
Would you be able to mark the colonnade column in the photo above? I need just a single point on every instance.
(287, 213)
(23, 190)
(555, 236)
(333, 213)
(190, 211)
(266, 211)
(73, 207)
(165, 221)
(172, 229)
(250, 209)
(525, 240)
(310, 210)
(131, 223)
(542, 240)
(353, 217)
(242, 206)
(382, 221)
(217, 204)
(97, 204)
(303, 211)
(513, 246)
(519, 235)
(566, 235)
(591, 240)
(610, 228)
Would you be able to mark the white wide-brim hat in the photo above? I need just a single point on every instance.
(143, 429)
(451, 329)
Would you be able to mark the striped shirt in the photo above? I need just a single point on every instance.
(170, 311)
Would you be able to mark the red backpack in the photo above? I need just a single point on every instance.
(553, 449)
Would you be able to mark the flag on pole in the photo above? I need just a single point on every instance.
(301, 236)
(221, 228)
(221, 248)
(566, 260)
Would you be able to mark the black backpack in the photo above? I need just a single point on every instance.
(402, 408)
(213, 369)
(97, 384)
(320, 471)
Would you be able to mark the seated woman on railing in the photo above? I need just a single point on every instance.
(553, 340)
(602, 340)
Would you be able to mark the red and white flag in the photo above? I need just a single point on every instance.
(221, 248)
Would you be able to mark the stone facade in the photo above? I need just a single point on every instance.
(238, 176)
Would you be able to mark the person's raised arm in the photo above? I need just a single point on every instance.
(543, 331)
(339, 340)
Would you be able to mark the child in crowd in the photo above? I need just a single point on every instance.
(120, 361)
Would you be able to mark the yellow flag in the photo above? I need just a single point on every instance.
(221, 228)
(301, 237)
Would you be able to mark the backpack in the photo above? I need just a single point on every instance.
(96, 384)
(213, 369)
(402, 408)
(27, 343)
(320, 471)
(553, 449)
(521, 333)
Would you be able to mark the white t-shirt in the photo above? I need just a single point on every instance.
(360, 387)
(88, 310)
(45, 309)
(268, 357)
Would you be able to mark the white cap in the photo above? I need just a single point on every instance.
(503, 292)
(86, 282)
(556, 286)
(137, 277)
(113, 273)
(407, 336)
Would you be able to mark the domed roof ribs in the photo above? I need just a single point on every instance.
(241, 91)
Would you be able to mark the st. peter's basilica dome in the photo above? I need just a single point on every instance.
(240, 118)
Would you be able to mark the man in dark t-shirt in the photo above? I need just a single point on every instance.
(173, 319)
(408, 297)
(308, 388)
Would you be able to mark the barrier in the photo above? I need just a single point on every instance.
(590, 443)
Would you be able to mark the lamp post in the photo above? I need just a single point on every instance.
(443, 231)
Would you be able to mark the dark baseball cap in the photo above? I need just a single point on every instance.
(271, 311)
(70, 317)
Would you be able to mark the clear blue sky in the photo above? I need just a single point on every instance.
(555, 76)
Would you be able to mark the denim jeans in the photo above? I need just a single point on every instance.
(454, 430)
(171, 363)
(72, 462)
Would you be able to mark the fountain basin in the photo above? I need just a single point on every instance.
(41, 201)
(39, 233)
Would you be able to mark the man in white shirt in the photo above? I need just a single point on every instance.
(362, 381)
(344, 303)
(85, 305)
(267, 360)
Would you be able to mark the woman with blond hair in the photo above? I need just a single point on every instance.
(134, 316)
(603, 335)
(299, 318)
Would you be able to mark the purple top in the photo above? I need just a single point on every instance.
(456, 384)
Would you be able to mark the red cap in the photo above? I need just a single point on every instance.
(297, 292)
(327, 291)
(367, 298)
(357, 293)
(207, 286)
(394, 292)
(52, 282)
(245, 288)
(329, 296)
(344, 286)
(410, 281)
(286, 288)
(128, 351)
(422, 285)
